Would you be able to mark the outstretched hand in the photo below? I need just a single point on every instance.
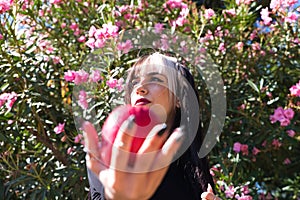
(209, 194)
(124, 178)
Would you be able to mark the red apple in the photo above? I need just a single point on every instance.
(145, 120)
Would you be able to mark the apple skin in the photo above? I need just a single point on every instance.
(145, 120)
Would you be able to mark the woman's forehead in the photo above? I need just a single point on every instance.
(150, 69)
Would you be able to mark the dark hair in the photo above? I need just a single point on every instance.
(196, 170)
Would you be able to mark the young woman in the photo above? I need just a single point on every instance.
(175, 171)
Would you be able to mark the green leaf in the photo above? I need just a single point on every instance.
(253, 86)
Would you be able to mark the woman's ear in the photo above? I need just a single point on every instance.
(177, 104)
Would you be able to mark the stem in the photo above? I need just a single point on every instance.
(42, 137)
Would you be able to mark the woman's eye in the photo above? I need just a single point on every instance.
(156, 79)
(134, 82)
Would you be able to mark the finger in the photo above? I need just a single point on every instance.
(122, 144)
(209, 195)
(93, 160)
(90, 137)
(94, 164)
(149, 149)
(107, 178)
(169, 149)
(155, 139)
(209, 189)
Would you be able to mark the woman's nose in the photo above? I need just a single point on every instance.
(141, 89)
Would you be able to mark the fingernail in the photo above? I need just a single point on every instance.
(162, 131)
(179, 134)
(131, 122)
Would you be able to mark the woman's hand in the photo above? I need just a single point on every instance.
(128, 178)
(209, 194)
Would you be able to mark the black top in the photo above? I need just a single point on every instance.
(174, 186)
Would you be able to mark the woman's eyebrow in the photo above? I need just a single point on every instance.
(154, 73)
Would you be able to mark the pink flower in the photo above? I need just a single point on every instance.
(295, 90)
(82, 102)
(120, 85)
(245, 197)
(244, 149)
(63, 25)
(209, 13)
(256, 46)
(91, 43)
(275, 4)
(278, 114)
(284, 122)
(3, 98)
(125, 46)
(255, 151)
(112, 83)
(231, 12)
(59, 128)
(81, 39)
(164, 42)
(1, 36)
(245, 189)
(213, 170)
(69, 150)
(229, 192)
(265, 16)
(173, 4)
(41, 13)
(5, 5)
(70, 75)
(291, 18)
(8, 99)
(99, 43)
(55, 1)
(276, 143)
(291, 133)
(289, 113)
(222, 47)
(98, 37)
(180, 21)
(237, 147)
(74, 26)
(123, 8)
(253, 35)
(287, 161)
(159, 27)
(56, 60)
(81, 76)
(184, 47)
(92, 31)
(240, 46)
(11, 100)
(99, 34)
(78, 138)
(95, 76)
(288, 3)
(110, 30)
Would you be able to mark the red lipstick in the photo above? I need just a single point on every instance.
(142, 102)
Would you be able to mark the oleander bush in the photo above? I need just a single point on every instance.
(62, 61)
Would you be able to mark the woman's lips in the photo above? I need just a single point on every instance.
(142, 102)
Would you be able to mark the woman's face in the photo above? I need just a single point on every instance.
(150, 89)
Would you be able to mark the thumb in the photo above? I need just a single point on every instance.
(209, 189)
(90, 137)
